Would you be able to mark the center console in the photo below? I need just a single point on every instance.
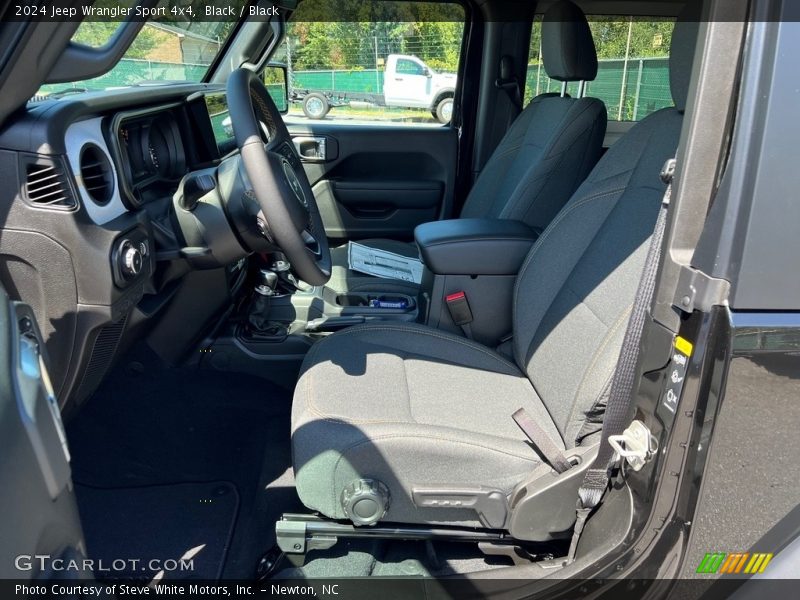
(471, 267)
(283, 305)
(477, 259)
(343, 310)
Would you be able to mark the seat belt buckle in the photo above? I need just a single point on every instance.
(459, 308)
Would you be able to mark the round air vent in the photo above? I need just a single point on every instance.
(96, 173)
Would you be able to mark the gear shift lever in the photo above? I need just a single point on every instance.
(259, 323)
(267, 282)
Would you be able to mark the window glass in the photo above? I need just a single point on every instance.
(633, 66)
(165, 50)
(349, 61)
(95, 34)
(409, 67)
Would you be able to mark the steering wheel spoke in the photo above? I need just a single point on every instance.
(312, 245)
(282, 191)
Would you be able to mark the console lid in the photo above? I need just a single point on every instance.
(474, 246)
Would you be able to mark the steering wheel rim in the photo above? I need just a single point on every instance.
(283, 191)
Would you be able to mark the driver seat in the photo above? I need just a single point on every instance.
(408, 406)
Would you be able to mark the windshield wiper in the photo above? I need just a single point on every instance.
(157, 82)
(67, 92)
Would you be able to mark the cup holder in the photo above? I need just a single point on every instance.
(376, 301)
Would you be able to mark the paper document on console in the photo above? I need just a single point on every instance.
(381, 263)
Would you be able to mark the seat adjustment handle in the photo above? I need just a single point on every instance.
(489, 504)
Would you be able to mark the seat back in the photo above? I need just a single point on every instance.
(553, 144)
(576, 287)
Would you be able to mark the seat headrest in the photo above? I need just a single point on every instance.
(568, 51)
(681, 53)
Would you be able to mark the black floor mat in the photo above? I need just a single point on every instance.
(149, 425)
(179, 531)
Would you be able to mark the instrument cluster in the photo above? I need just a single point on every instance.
(151, 154)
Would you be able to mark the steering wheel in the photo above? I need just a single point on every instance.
(290, 210)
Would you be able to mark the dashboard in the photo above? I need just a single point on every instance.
(107, 255)
(155, 146)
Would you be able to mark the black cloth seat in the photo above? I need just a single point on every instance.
(409, 405)
(547, 152)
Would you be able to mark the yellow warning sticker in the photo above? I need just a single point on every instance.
(683, 346)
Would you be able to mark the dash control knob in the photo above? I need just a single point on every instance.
(130, 260)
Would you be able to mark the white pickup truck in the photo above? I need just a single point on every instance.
(407, 83)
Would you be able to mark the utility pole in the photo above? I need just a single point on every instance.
(623, 86)
(638, 89)
(378, 89)
(539, 68)
(289, 72)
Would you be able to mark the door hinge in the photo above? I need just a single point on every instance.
(698, 291)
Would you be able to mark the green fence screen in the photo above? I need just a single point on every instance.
(366, 81)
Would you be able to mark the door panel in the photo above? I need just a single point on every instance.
(379, 180)
(38, 513)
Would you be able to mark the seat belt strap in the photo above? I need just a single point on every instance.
(617, 416)
(541, 441)
(509, 83)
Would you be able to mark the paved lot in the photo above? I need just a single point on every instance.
(344, 119)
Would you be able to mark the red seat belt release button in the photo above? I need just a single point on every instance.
(459, 309)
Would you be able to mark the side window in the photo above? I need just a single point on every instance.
(633, 66)
(346, 67)
(409, 67)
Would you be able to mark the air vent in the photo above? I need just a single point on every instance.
(96, 174)
(46, 183)
(103, 351)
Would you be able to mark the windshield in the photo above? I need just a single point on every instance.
(163, 51)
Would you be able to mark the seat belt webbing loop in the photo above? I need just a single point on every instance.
(542, 441)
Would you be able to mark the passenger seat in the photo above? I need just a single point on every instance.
(548, 151)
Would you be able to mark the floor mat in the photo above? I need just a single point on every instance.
(180, 531)
(382, 558)
(149, 425)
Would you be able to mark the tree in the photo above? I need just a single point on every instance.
(343, 34)
(96, 34)
(648, 38)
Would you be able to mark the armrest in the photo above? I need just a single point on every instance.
(474, 246)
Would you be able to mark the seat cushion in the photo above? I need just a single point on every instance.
(409, 405)
(344, 280)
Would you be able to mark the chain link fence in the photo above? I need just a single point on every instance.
(630, 89)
